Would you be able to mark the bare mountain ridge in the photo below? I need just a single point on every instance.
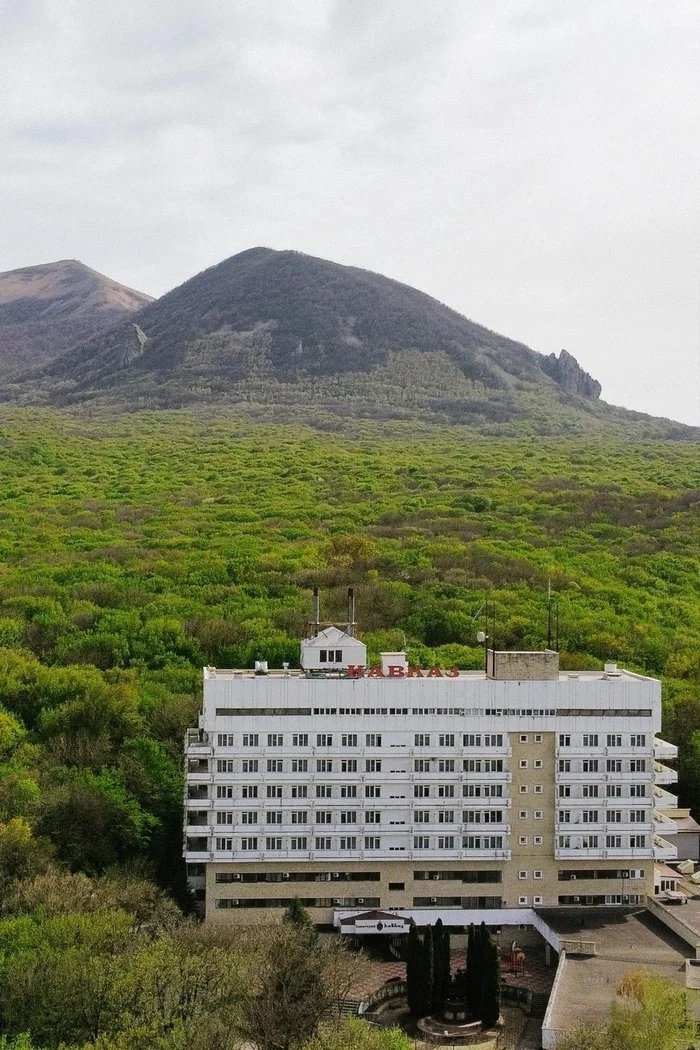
(290, 336)
(46, 309)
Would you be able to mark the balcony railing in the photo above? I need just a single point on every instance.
(664, 774)
(663, 850)
(662, 749)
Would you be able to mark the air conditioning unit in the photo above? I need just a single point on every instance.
(336, 900)
(336, 874)
(573, 878)
(235, 901)
(436, 878)
(577, 899)
(285, 875)
(625, 874)
(360, 900)
(433, 900)
(625, 898)
(236, 877)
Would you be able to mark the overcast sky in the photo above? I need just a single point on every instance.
(533, 164)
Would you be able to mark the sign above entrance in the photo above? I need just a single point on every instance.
(394, 925)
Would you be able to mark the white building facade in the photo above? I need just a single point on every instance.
(437, 792)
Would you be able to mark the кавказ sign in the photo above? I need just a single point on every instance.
(396, 671)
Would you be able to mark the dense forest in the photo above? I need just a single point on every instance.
(137, 549)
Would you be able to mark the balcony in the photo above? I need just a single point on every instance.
(663, 850)
(601, 853)
(201, 856)
(664, 799)
(664, 825)
(664, 774)
(662, 749)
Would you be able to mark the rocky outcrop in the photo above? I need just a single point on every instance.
(567, 372)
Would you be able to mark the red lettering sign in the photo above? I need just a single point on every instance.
(414, 672)
(434, 672)
(356, 671)
(396, 671)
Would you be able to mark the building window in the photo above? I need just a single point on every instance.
(614, 740)
(638, 740)
(225, 740)
(538, 763)
(446, 740)
(564, 816)
(638, 790)
(613, 841)
(564, 842)
(421, 740)
(638, 841)
(251, 740)
(564, 765)
(537, 874)
(537, 789)
(564, 740)
(613, 816)
(564, 791)
(372, 842)
(274, 765)
(300, 765)
(274, 791)
(273, 844)
(224, 818)
(523, 738)
(537, 840)
(249, 843)
(638, 765)
(446, 816)
(300, 739)
(589, 791)
(638, 816)
(421, 765)
(298, 843)
(348, 765)
(373, 740)
(348, 740)
(225, 765)
(613, 765)
(300, 816)
(224, 844)
(536, 900)
(324, 740)
(446, 765)
(446, 842)
(522, 840)
(590, 740)
(373, 816)
(323, 843)
(324, 791)
(300, 791)
(275, 739)
(373, 765)
(348, 791)
(397, 885)
(523, 789)
(538, 738)
(249, 791)
(589, 842)
(348, 816)
(421, 842)
(590, 816)
(590, 765)
(421, 791)
(522, 764)
(324, 765)
(274, 818)
(224, 791)
(523, 814)
(446, 791)
(324, 816)
(522, 874)
(348, 843)
(522, 900)
(372, 791)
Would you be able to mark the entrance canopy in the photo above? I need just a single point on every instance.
(374, 921)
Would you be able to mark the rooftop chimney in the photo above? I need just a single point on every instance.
(351, 612)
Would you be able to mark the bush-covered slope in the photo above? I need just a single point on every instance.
(286, 332)
(134, 550)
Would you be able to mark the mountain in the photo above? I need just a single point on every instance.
(45, 310)
(291, 336)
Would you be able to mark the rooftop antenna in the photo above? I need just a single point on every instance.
(316, 613)
(556, 610)
(549, 613)
(351, 612)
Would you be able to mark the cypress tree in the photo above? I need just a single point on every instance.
(426, 982)
(446, 966)
(414, 963)
(473, 973)
(490, 1007)
(436, 1005)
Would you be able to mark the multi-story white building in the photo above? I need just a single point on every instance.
(463, 794)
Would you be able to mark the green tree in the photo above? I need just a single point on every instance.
(490, 992)
(297, 915)
(414, 971)
(355, 1034)
(473, 970)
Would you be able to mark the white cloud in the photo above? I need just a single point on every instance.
(533, 164)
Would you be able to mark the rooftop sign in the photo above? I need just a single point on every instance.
(396, 671)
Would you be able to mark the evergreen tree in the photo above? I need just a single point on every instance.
(426, 983)
(473, 971)
(490, 1006)
(414, 965)
(297, 915)
(441, 967)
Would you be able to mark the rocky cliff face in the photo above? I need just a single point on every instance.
(568, 374)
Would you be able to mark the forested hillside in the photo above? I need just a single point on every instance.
(138, 549)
